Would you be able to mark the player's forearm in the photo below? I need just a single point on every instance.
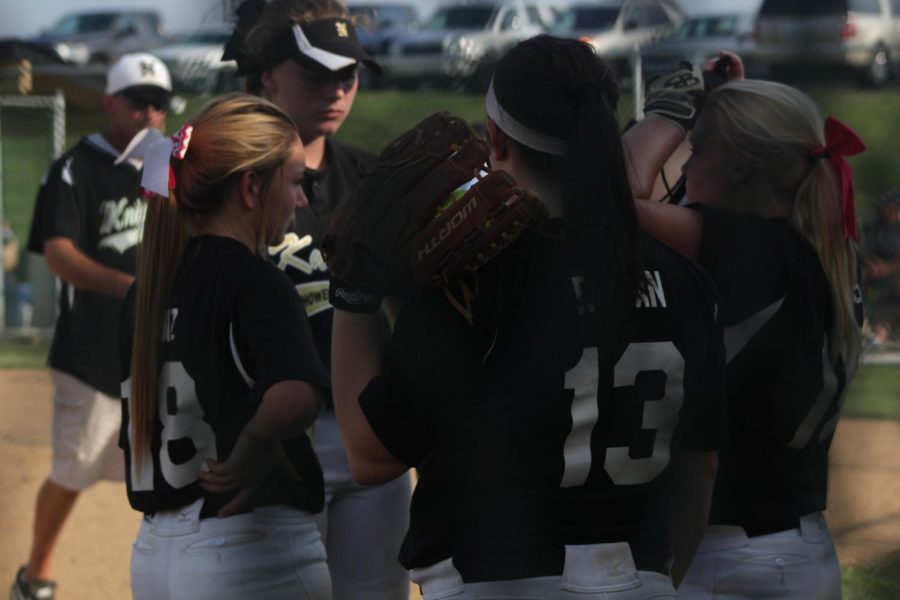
(648, 144)
(690, 490)
(288, 409)
(679, 227)
(84, 273)
(357, 343)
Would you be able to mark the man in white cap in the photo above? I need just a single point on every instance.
(87, 224)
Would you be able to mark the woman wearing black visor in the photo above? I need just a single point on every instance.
(305, 57)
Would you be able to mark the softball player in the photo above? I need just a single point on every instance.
(304, 56)
(223, 376)
(776, 234)
(565, 440)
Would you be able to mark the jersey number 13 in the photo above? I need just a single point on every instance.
(659, 413)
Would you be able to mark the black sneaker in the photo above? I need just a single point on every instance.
(24, 590)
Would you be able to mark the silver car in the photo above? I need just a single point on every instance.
(700, 38)
(617, 28)
(101, 37)
(462, 42)
(196, 62)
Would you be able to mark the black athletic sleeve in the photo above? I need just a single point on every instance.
(58, 208)
(394, 421)
(272, 333)
(742, 255)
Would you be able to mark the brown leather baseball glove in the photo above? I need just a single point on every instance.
(409, 222)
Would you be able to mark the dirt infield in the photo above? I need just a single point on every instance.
(92, 560)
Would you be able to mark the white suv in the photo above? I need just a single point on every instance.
(859, 36)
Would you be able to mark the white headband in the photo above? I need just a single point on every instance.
(521, 133)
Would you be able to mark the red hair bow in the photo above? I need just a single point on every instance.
(841, 141)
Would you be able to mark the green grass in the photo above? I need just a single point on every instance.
(23, 353)
(874, 393)
(880, 581)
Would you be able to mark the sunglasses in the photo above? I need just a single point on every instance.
(142, 100)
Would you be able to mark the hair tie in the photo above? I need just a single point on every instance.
(158, 177)
(841, 141)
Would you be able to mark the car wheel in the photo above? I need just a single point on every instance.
(878, 73)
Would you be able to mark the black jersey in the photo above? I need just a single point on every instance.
(528, 436)
(92, 201)
(299, 255)
(233, 328)
(784, 392)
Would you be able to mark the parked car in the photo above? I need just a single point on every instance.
(382, 23)
(701, 37)
(860, 37)
(461, 42)
(102, 36)
(616, 27)
(196, 62)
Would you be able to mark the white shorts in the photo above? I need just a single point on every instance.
(86, 426)
(274, 553)
(591, 572)
(796, 564)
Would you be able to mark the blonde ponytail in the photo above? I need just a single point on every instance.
(775, 127)
(232, 134)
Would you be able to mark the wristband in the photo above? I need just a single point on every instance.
(346, 297)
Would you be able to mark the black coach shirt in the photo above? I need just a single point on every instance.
(528, 436)
(299, 254)
(234, 327)
(784, 392)
(89, 199)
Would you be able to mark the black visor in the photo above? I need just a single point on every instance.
(330, 44)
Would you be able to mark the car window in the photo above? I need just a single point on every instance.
(208, 37)
(655, 15)
(83, 23)
(392, 16)
(461, 17)
(596, 18)
(718, 26)
(534, 15)
(802, 8)
(130, 25)
(510, 20)
(635, 17)
(865, 6)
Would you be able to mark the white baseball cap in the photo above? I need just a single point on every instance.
(139, 69)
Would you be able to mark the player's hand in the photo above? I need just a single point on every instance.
(676, 96)
(728, 64)
(250, 462)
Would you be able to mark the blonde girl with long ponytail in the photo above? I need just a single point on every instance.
(224, 378)
(770, 216)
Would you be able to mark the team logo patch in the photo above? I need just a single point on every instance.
(341, 28)
(314, 296)
(147, 69)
